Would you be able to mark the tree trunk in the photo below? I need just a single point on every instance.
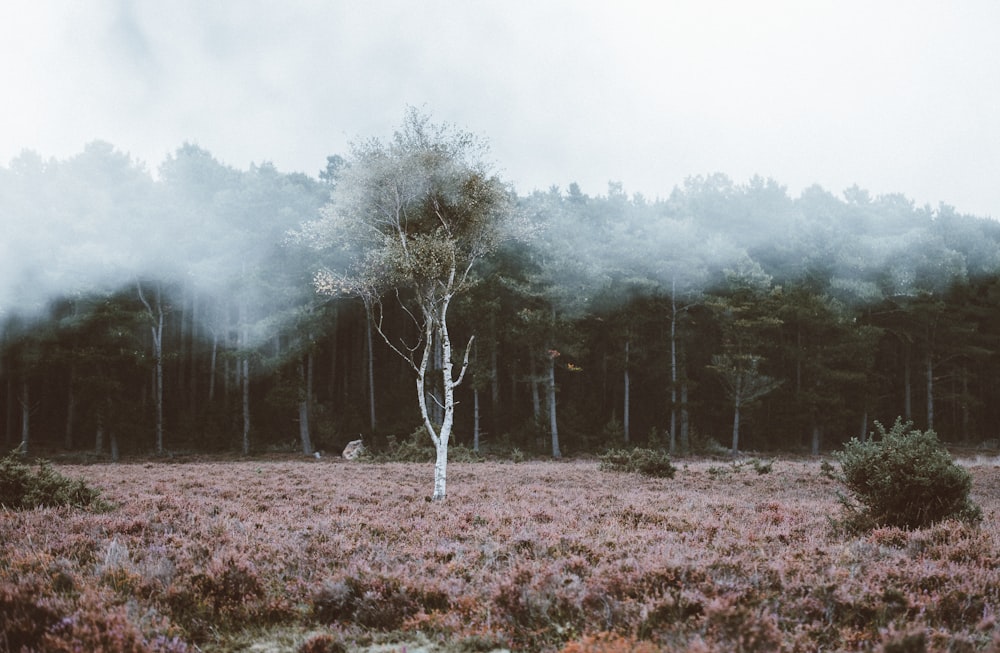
(863, 436)
(907, 401)
(243, 370)
(475, 419)
(673, 368)
(536, 401)
(930, 392)
(195, 354)
(8, 437)
(553, 422)
(114, 446)
(99, 434)
(440, 470)
(371, 373)
(966, 416)
(626, 390)
(156, 328)
(159, 385)
(817, 436)
(25, 416)
(685, 422)
(334, 319)
(494, 388)
(70, 411)
(211, 366)
(736, 429)
(305, 376)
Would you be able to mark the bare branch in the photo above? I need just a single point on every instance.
(465, 362)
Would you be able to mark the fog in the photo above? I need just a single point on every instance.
(895, 97)
(99, 223)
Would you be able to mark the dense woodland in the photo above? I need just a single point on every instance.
(176, 312)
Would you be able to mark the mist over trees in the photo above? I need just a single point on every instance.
(144, 313)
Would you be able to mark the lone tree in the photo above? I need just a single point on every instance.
(415, 215)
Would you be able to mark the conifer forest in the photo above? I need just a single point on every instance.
(177, 311)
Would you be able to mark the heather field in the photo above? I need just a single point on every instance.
(325, 555)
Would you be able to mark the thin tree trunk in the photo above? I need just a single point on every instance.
(8, 437)
(930, 393)
(335, 318)
(305, 377)
(536, 401)
(494, 389)
(159, 385)
(626, 390)
(475, 419)
(966, 417)
(371, 373)
(553, 422)
(863, 435)
(213, 357)
(673, 367)
(99, 434)
(437, 406)
(70, 411)
(736, 428)
(114, 446)
(25, 415)
(685, 422)
(226, 380)
(180, 386)
(157, 333)
(245, 377)
(817, 435)
(195, 354)
(907, 401)
(243, 369)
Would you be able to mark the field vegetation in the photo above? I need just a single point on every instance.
(327, 555)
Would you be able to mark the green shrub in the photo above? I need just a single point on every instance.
(905, 478)
(648, 462)
(417, 448)
(23, 487)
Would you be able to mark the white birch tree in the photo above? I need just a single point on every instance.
(418, 212)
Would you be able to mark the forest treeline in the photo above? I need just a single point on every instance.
(177, 312)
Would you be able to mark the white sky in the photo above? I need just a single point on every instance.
(894, 95)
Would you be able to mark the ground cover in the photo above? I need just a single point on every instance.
(326, 555)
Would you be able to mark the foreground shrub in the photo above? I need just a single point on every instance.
(905, 478)
(417, 448)
(23, 487)
(648, 462)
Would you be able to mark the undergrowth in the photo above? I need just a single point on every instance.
(904, 478)
(24, 487)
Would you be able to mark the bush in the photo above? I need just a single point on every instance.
(23, 487)
(417, 448)
(647, 462)
(905, 478)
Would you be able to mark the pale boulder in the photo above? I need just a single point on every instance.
(353, 449)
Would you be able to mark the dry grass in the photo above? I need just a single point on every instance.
(535, 556)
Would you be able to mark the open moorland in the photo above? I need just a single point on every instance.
(324, 555)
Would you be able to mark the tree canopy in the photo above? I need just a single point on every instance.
(625, 310)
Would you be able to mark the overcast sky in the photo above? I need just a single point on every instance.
(896, 96)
